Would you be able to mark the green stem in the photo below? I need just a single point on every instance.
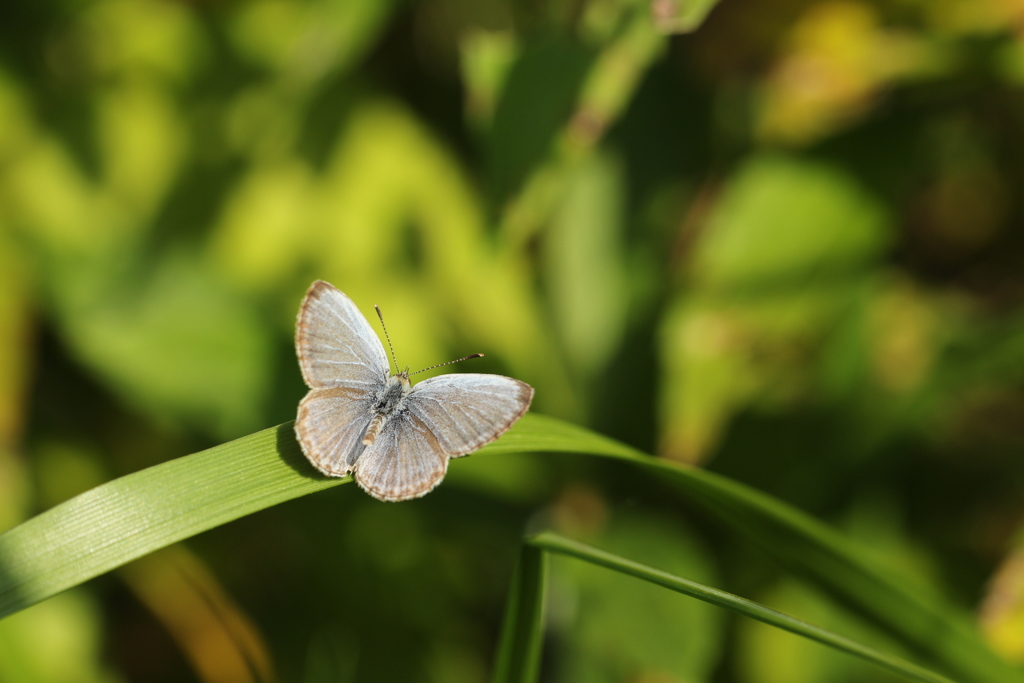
(522, 631)
(552, 542)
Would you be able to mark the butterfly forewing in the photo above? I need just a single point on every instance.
(335, 343)
(330, 427)
(468, 411)
(405, 461)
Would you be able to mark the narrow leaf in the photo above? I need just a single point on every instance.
(810, 548)
(129, 517)
(522, 631)
(553, 542)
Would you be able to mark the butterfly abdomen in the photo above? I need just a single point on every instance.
(373, 429)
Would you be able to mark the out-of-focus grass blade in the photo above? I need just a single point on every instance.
(680, 16)
(523, 628)
(550, 541)
(137, 514)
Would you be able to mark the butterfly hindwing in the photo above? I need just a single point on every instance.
(405, 460)
(330, 427)
(468, 411)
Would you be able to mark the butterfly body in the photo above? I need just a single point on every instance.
(390, 400)
(394, 437)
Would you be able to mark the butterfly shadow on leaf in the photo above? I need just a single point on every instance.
(291, 453)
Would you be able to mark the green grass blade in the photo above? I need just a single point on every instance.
(806, 546)
(556, 543)
(124, 519)
(129, 517)
(522, 631)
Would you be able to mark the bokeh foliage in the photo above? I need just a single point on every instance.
(785, 246)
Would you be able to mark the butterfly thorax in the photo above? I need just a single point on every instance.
(387, 403)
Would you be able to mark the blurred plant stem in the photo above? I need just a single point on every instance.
(522, 632)
(218, 639)
(627, 53)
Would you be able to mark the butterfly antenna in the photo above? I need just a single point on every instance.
(387, 336)
(475, 355)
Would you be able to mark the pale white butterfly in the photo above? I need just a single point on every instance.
(395, 438)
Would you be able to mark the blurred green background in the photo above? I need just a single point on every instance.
(785, 246)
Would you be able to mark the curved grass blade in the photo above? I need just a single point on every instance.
(810, 548)
(124, 519)
(556, 543)
(522, 631)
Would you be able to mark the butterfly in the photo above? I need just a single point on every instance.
(358, 417)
